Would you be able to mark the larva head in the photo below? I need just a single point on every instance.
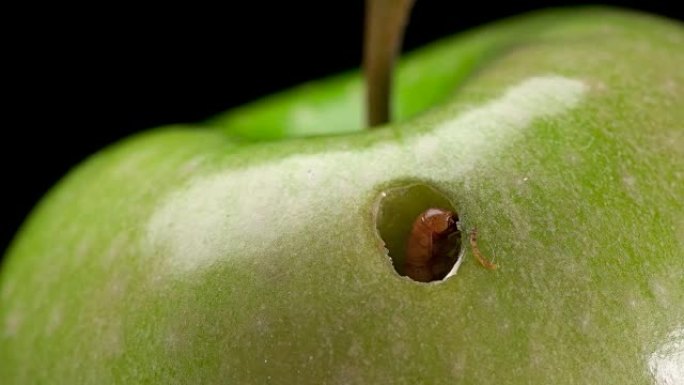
(439, 221)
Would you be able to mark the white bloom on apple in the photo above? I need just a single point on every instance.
(194, 224)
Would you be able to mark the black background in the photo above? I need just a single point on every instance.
(79, 78)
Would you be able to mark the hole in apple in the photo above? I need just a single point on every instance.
(419, 228)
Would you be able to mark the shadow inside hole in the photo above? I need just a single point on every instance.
(397, 210)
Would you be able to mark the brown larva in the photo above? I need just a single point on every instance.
(432, 245)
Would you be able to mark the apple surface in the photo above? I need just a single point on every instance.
(249, 249)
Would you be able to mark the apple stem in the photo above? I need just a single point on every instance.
(384, 31)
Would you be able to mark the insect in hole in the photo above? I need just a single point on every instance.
(432, 246)
(433, 243)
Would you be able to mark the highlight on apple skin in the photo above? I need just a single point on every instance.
(251, 248)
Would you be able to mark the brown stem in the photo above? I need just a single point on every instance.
(385, 25)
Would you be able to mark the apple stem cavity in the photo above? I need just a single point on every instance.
(384, 31)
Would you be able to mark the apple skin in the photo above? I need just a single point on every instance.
(242, 250)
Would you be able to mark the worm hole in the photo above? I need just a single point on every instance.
(410, 220)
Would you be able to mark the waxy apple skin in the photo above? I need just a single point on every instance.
(240, 251)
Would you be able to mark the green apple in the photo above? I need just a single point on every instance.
(246, 249)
